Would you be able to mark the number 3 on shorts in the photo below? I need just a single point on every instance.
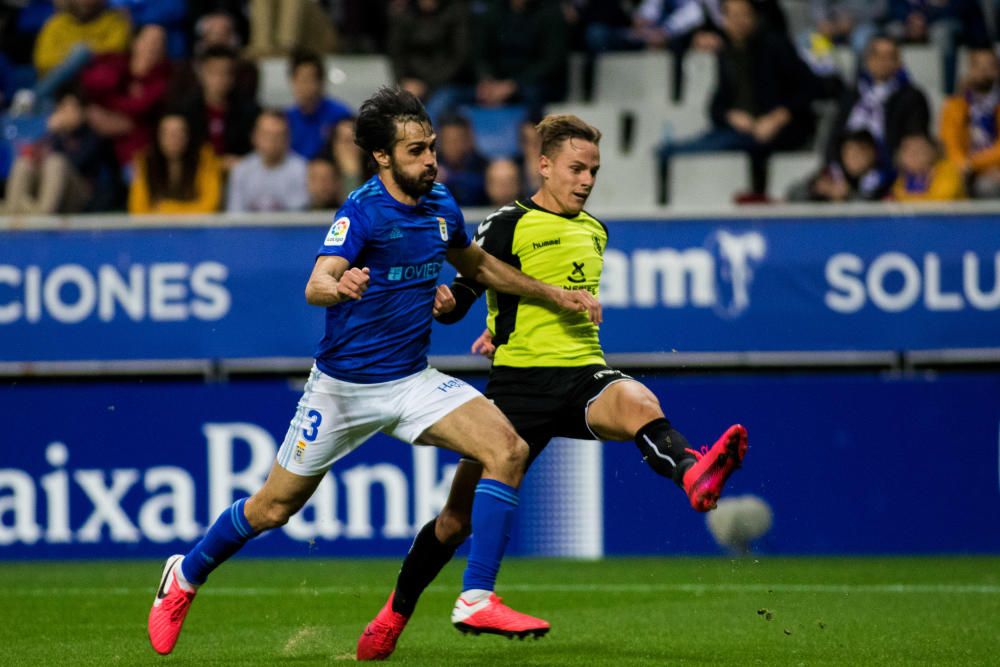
(311, 431)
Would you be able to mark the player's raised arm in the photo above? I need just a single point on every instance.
(332, 281)
(475, 263)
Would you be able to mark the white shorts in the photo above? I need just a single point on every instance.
(335, 417)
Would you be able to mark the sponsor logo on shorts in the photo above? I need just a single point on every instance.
(300, 451)
(338, 232)
(449, 385)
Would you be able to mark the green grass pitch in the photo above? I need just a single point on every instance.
(688, 611)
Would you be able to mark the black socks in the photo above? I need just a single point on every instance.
(422, 564)
(664, 449)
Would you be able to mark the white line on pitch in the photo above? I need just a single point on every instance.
(697, 589)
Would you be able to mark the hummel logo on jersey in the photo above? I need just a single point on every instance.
(544, 244)
(395, 234)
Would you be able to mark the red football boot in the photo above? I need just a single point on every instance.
(170, 608)
(704, 480)
(378, 641)
(490, 615)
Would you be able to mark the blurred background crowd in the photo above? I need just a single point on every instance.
(166, 106)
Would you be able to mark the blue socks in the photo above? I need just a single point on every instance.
(226, 536)
(492, 515)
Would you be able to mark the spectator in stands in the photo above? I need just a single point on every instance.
(924, 175)
(216, 29)
(503, 182)
(278, 27)
(353, 164)
(644, 28)
(520, 56)
(582, 14)
(854, 176)
(970, 125)
(217, 111)
(171, 15)
(763, 99)
(128, 91)
(272, 178)
(85, 23)
(68, 41)
(235, 13)
(323, 184)
(944, 23)
(70, 170)
(460, 167)
(851, 22)
(429, 46)
(883, 101)
(175, 175)
(313, 116)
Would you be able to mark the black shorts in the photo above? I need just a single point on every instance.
(548, 402)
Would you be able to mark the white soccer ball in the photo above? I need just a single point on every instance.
(738, 521)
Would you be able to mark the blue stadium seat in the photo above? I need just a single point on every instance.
(496, 129)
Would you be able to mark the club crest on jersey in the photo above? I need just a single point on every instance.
(338, 232)
(443, 227)
(597, 246)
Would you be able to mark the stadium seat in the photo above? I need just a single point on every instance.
(496, 130)
(634, 77)
(786, 169)
(354, 78)
(700, 78)
(847, 63)
(707, 180)
(925, 66)
(576, 71)
(274, 90)
(351, 79)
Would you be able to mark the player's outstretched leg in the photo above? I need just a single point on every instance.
(433, 547)
(704, 480)
(282, 495)
(627, 407)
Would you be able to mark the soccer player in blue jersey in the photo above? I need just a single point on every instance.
(376, 274)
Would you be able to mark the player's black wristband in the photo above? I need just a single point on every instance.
(466, 292)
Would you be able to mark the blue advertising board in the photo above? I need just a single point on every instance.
(718, 285)
(848, 464)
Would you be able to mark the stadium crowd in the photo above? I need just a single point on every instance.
(155, 106)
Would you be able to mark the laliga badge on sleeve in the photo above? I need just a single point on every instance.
(443, 226)
(338, 232)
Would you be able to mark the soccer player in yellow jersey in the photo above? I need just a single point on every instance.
(548, 376)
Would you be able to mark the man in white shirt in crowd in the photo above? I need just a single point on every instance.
(272, 178)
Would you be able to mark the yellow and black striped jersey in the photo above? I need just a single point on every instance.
(566, 251)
